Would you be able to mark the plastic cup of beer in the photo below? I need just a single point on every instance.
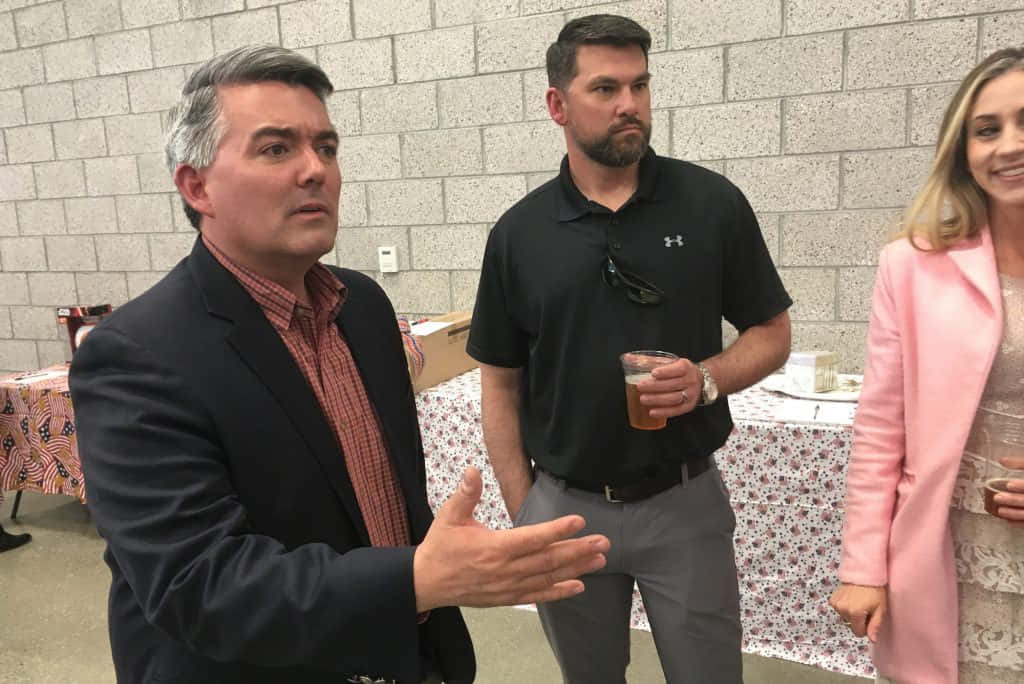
(637, 367)
(1003, 451)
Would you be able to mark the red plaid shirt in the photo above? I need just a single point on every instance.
(315, 343)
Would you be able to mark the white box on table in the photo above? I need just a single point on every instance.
(813, 371)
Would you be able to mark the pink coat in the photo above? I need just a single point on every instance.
(936, 323)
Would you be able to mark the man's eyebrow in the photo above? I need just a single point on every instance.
(289, 133)
(329, 134)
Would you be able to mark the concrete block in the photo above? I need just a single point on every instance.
(12, 110)
(927, 107)
(71, 253)
(29, 144)
(34, 323)
(788, 183)
(185, 42)
(399, 108)
(481, 100)
(651, 14)
(16, 183)
(134, 133)
(8, 35)
(426, 292)
(358, 63)
(929, 9)
(52, 289)
(448, 247)
(18, 355)
(1002, 30)
(908, 54)
(156, 90)
(90, 17)
(122, 252)
(770, 232)
(464, 287)
(387, 17)
(60, 179)
(812, 16)
(79, 139)
(21, 68)
(153, 173)
(541, 6)
(888, 178)
(357, 247)
(167, 250)
(53, 351)
(787, 66)
(813, 291)
(140, 282)
(124, 51)
(845, 339)
(442, 153)
(512, 44)
(428, 55)
(352, 210)
(661, 132)
(723, 21)
(521, 147)
(843, 238)
(6, 332)
(89, 215)
(845, 121)
(691, 77)
(535, 88)
(736, 129)
(8, 219)
(191, 9)
(22, 254)
(52, 102)
(482, 199)
(40, 24)
(13, 288)
(102, 288)
(111, 176)
(104, 96)
(247, 28)
(330, 22)
(42, 217)
(855, 288)
(343, 108)
(330, 258)
(69, 60)
(144, 214)
(138, 13)
(401, 203)
(453, 12)
(371, 157)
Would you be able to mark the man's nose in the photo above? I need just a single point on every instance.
(314, 167)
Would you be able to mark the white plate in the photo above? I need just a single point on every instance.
(779, 383)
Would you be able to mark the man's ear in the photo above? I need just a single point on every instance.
(192, 186)
(556, 105)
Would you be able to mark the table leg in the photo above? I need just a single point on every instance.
(17, 502)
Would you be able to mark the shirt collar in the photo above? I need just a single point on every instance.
(278, 304)
(572, 204)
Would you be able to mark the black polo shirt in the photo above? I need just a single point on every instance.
(543, 305)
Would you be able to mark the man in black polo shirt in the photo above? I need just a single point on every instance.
(625, 250)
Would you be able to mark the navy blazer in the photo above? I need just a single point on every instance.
(234, 539)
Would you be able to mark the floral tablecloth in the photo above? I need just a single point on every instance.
(786, 482)
(38, 445)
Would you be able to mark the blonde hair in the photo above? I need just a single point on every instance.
(951, 206)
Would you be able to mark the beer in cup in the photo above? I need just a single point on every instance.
(1003, 451)
(637, 367)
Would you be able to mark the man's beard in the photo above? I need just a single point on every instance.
(608, 151)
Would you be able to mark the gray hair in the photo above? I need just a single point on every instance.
(194, 127)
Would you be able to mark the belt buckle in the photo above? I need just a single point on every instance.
(609, 494)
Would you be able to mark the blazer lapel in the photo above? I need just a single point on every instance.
(261, 348)
(976, 260)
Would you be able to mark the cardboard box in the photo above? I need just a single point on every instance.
(443, 340)
(815, 371)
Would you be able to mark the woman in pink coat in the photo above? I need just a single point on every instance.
(933, 581)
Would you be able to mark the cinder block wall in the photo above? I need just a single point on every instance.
(823, 111)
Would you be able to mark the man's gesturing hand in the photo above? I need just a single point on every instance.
(462, 563)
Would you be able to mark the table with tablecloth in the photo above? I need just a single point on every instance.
(786, 482)
(38, 445)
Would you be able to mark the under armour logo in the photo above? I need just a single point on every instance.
(676, 241)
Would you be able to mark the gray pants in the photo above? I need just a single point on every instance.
(678, 547)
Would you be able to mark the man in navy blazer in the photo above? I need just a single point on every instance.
(237, 546)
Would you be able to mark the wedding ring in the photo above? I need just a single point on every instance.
(686, 397)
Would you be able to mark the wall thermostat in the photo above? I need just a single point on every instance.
(387, 257)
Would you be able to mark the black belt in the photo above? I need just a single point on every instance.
(638, 490)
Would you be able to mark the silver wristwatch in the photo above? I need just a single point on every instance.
(709, 390)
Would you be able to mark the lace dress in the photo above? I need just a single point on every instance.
(990, 552)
